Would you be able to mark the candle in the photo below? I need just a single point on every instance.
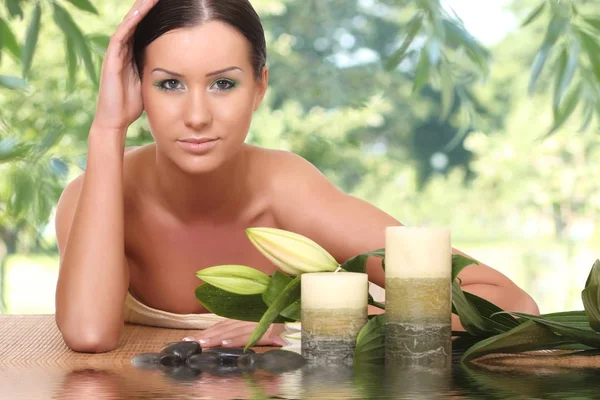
(334, 309)
(418, 315)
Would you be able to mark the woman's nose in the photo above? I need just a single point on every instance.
(197, 113)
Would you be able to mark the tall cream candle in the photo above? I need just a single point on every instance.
(418, 271)
(334, 309)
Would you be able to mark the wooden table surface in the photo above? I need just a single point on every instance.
(36, 364)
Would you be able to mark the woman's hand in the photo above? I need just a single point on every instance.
(233, 333)
(120, 95)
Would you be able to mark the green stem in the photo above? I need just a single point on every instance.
(287, 296)
(377, 304)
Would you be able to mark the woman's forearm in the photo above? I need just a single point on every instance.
(93, 276)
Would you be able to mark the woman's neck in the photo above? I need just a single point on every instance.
(195, 197)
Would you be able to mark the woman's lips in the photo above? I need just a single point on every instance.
(198, 146)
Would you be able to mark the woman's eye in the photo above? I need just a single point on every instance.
(223, 84)
(171, 84)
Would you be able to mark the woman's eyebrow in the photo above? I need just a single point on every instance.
(167, 72)
(223, 70)
(209, 74)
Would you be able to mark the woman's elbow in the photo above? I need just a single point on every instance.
(523, 303)
(90, 343)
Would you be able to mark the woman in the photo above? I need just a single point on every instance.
(140, 222)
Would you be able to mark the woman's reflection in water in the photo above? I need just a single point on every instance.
(128, 382)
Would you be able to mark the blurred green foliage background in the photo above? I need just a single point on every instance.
(394, 100)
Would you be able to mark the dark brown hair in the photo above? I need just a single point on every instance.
(168, 15)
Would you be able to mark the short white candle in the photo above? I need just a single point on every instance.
(418, 271)
(334, 309)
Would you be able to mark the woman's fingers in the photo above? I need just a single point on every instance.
(126, 29)
(235, 334)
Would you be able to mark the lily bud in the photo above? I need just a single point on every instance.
(292, 253)
(237, 279)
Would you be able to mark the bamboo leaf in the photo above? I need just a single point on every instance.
(370, 342)
(566, 109)
(566, 66)
(237, 279)
(591, 297)
(459, 262)
(534, 14)
(71, 63)
(9, 39)
(412, 28)
(12, 82)
(447, 90)
(65, 22)
(421, 72)
(31, 39)
(528, 336)
(555, 29)
(594, 21)
(12, 150)
(359, 262)
(499, 322)
(100, 41)
(84, 5)
(288, 296)
(14, 8)
(231, 305)
(592, 50)
(588, 116)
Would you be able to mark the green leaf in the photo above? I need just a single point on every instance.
(459, 262)
(498, 322)
(359, 262)
(525, 337)
(459, 37)
(23, 193)
(584, 336)
(555, 29)
(289, 295)
(84, 5)
(14, 8)
(447, 90)
(588, 116)
(12, 150)
(9, 40)
(65, 22)
(278, 283)
(469, 316)
(100, 41)
(566, 108)
(31, 39)
(71, 63)
(370, 342)
(237, 279)
(230, 305)
(534, 14)
(421, 72)
(412, 28)
(592, 49)
(591, 297)
(565, 67)
(12, 82)
(594, 21)
(54, 133)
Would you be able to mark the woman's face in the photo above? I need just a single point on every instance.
(199, 92)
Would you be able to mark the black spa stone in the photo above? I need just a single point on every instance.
(204, 361)
(182, 349)
(228, 355)
(171, 360)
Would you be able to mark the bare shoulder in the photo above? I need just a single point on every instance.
(67, 203)
(283, 170)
